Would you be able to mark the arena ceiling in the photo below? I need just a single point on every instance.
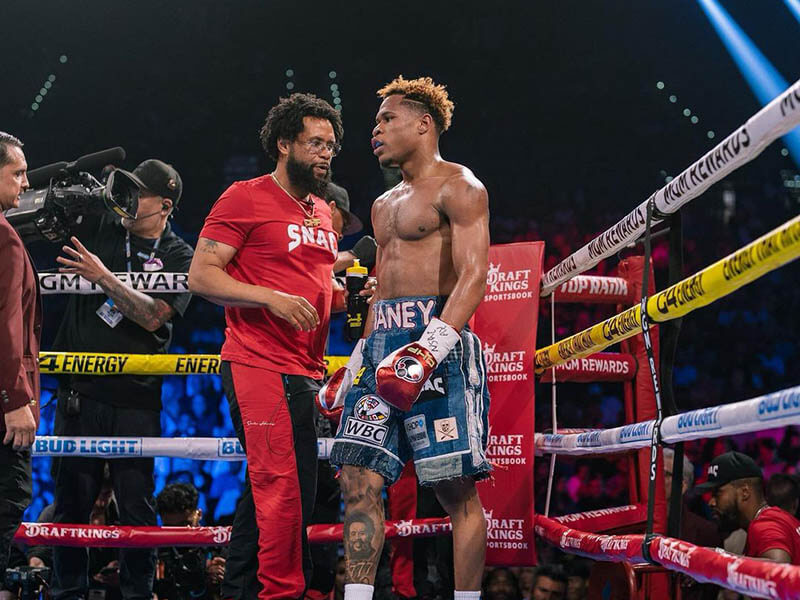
(552, 99)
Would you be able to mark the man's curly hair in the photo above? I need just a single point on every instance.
(177, 498)
(428, 93)
(285, 120)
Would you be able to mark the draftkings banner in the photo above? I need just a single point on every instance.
(506, 324)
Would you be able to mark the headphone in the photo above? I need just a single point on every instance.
(164, 206)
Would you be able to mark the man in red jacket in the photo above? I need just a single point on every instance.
(20, 331)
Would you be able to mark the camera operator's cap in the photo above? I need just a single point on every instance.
(160, 178)
(336, 193)
(729, 467)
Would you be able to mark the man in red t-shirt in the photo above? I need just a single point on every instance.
(737, 500)
(266, 254)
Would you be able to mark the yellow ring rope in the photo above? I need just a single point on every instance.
(105, 363)
(767, 253)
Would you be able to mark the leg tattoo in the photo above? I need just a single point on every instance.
(360, 546)
(363, 524)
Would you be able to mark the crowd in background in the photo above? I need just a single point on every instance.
(742, 347)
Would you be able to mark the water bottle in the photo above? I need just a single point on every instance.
(356, 278)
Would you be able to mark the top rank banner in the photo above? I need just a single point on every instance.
(506, 323)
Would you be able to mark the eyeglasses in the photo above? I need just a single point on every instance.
(316, 145)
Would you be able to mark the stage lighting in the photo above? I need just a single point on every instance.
(763, 79)
(794, 7)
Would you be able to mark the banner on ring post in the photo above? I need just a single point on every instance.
(506, 323)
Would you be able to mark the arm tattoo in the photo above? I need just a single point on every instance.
(209, 247)
(149, 313)
(362, 544)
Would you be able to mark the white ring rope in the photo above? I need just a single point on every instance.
(778, 409)
(150, 447)
(774, 120)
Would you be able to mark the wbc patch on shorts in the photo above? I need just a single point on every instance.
(366, 423)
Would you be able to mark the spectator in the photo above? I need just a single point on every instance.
(500, 584)
(185, 570)
(767, 457)
(550, 583)
(338, 584)
(177, 505)
(578, 571)
(789, 449)
(525, 576)
(204, 421)
(738, 496)
(578, 480)
(783, 491)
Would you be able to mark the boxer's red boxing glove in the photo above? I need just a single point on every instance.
(330, 398)
(401, 376)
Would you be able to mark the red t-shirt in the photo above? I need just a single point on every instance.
(774, 528)
(277, 251)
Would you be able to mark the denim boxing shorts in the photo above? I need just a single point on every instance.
(446, 430)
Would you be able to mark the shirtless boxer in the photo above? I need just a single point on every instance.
(415, 387)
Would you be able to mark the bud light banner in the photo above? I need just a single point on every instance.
(506, 324)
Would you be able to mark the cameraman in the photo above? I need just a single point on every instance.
(121, 321)
(177, 507)
(20, 331)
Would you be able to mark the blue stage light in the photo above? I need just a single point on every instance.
(794, 7)
(763, 79)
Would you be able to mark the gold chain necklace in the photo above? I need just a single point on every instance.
(759, 511)
(310, 220)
